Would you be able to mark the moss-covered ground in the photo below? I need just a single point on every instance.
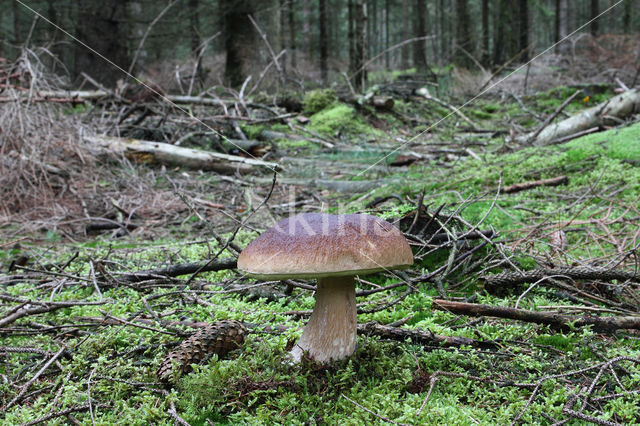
(107, 374)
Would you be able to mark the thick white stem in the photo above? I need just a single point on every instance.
(332, 328)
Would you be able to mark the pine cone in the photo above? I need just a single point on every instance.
(218, 338)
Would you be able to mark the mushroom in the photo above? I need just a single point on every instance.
(333, 249)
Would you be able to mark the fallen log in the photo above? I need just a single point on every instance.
(619, 106)
(163, 153)
(561, 321)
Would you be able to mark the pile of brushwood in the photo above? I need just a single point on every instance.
(125, 305)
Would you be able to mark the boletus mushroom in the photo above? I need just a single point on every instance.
(333, 249)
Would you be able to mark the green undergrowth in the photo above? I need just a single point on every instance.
(601, 175)
(115, 363)
(255, 384)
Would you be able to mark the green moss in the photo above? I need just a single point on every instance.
(318, 100)
(491, 107)
(341, 118)
(252, 131)
(80, 108)
(480, 114)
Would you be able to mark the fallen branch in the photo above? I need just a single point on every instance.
(424, 92)
(58, 96)
(574, 136)
(27, 308)
(517, 187)
(565, 322)
(175, 155)
(509, 279)
(180, 269)
(420, 336)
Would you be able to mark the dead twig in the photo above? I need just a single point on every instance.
(523, 186)
(510, 279)
(420, 336)
(565, 322)
(27, 385)
(179, 269)
(271, 52)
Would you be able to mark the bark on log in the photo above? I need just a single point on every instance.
(175, 155)
(619, 106)
(564, 322)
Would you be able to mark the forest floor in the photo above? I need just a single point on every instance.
(83, 339)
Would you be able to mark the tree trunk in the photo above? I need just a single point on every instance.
(463, 34)
(240, 40)
(351, 37)
(292, 35)
(306, 29)
(441, 37)
(595, 11)
(323, 41)
(387, 10)
(283, 32)
(562, 24)
(419, 54)
(498, 49)
(485, 32)
(626, 17)
(523, 15)
(194, 21)
(556, 33)
(16, 23)
(103, 26)
(373, 29)
(404, 59)
(360, 78)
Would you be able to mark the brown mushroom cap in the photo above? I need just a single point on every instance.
(316, 245)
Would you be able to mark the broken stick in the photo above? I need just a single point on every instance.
(517, 187)
(564, 322)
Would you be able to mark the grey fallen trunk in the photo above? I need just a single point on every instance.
(619, 106)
